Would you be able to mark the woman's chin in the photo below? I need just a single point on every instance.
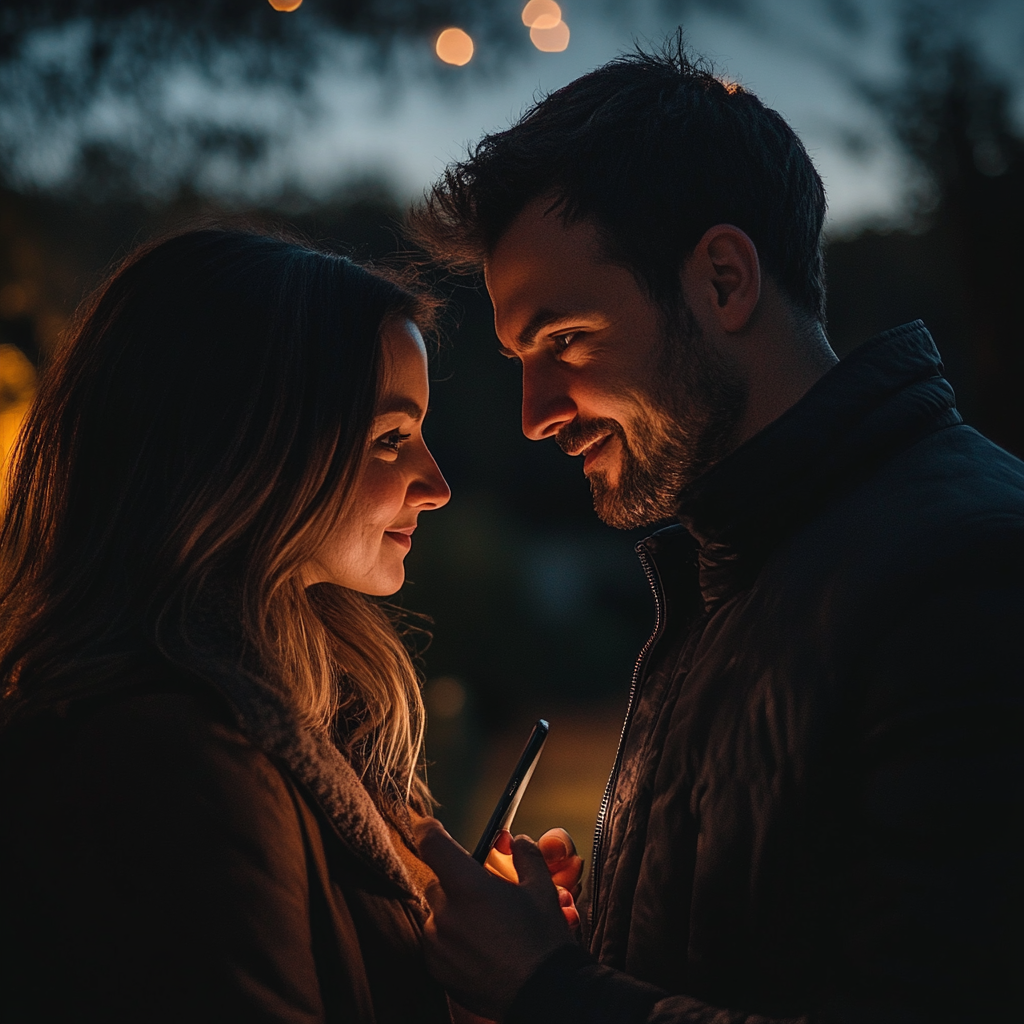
(383, 585)
(382, 581)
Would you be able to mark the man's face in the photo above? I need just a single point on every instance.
(649, 407)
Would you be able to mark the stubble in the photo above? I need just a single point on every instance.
(686, 423)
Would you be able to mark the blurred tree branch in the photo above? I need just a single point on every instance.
(221, 20)
(89, 63)
(952, 115)
(949, 108)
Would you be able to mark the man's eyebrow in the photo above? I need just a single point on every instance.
(526, 338)
(399, 403)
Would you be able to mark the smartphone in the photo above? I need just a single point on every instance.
(508, 804)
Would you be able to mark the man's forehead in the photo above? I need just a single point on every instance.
(540, 232)
(540, 263)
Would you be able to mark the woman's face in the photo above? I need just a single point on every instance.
(398, 479)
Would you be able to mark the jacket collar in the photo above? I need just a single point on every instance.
(271, 724)
(880, 399)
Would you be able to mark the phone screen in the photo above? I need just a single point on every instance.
(508, 804)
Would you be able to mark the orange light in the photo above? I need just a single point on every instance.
(550, 40)
(542, 14)
(17, 389)
(500, 864)
(454, 46)
(285, 5)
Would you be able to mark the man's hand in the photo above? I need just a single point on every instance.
(486, 936)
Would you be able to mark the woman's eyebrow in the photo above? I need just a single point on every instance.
(399, 403)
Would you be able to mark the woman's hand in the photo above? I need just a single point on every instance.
(564, 865)
(485, 937)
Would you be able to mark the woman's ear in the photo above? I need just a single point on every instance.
(723, 276)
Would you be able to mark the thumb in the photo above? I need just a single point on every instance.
(530, 864)
(449, 861)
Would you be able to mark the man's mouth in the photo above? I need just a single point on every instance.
(583, 449)
(588, 438)
(592, 452)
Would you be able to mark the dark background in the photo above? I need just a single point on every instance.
(537, 607)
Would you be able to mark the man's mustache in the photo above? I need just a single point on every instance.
(580, 434)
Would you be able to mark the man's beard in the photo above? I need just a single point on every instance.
(680, 430)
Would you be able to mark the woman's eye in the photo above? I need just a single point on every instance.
(393, 440)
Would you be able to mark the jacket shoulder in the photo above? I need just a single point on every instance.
(149, 833)
(946, 512)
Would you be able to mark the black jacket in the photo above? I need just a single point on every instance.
(816, 809)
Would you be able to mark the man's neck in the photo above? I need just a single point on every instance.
(788, 360)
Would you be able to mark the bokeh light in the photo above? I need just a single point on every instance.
(285, 5)
(445, 697)
(542, 14)
(550, 40)
(454, 46)
(17, 389)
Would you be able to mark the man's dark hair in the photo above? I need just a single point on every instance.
(654, 149)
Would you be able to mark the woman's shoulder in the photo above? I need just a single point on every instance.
(156, 733)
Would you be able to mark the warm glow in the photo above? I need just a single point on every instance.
(445, 697)
(454, 46)
(550, 40)
(500, 864)
(286, 5)
(542, 14)
(17, 389)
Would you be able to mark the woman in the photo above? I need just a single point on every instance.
(210, 734)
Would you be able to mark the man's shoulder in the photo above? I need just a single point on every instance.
(951, 493)
(944, 515)
(962, 455)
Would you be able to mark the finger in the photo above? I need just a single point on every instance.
(556, 844)
(572, 917)
(568, 873)
(503, 844)
(455, 869)
(500, 864)
(530, 864)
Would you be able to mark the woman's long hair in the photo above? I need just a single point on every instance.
(189, 451)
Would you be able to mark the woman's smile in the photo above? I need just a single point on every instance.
(397, 481)
(402, 537)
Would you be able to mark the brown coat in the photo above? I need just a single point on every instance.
(172, 855)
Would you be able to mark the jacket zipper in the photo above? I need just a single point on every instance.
(655, 584)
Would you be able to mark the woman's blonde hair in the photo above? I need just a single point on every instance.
(189, 452)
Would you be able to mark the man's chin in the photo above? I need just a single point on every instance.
(616, 509)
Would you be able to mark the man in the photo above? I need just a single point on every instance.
(815, 811)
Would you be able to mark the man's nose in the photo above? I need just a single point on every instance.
(547, 404)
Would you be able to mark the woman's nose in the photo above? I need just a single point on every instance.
(430, 489)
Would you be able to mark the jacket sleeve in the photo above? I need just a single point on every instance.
(930, 929)
(185, 872)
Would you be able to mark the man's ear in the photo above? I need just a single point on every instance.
(722, 277)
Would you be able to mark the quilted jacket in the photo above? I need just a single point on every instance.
(816, 813)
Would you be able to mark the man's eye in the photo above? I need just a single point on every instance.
(563, 341)
(393, 440)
